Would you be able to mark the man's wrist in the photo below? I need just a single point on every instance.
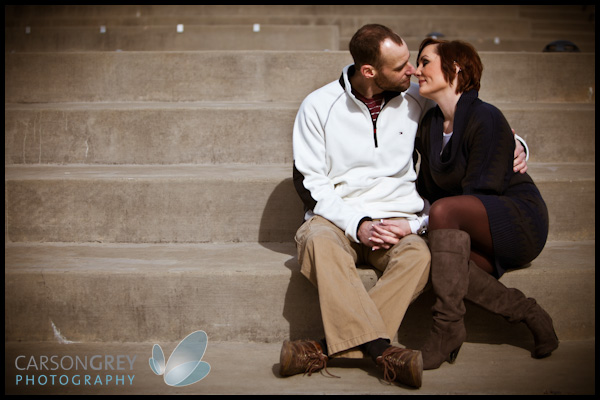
(363, 219)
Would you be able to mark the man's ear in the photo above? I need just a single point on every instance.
(368, 71)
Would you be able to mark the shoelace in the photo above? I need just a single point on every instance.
(387, 359)
(317, 361)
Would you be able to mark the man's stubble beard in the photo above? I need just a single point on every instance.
(385, 85)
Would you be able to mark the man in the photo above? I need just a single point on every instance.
(353, 145)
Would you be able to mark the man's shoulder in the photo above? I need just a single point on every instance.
(324, 96)
(333, 88)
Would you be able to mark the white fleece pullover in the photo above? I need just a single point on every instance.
(346, 167)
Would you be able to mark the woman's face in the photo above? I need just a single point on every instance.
(429, 73)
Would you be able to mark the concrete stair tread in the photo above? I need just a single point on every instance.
(199, 132)
(461, 24)
(162, 35)
(536, 44)
(243, 291)
(155, 203)
(249, 258)
(141, 11)
(253, 369)
(538, 170)
(153, 171)
(166, 37)
(262, 76)
(203, 258)
(241, 104)
(266, 20)
(158, 105)
(75, 12)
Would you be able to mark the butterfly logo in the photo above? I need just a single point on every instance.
(185, 366)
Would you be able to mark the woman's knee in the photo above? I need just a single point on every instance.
(456, 212)
(442, 215)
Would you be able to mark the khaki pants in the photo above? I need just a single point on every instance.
(352, 315)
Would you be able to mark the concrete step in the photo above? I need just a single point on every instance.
(490, 28)
(504, 44)
(164, 36)
(151, 133)
(239, 37)
(489, 21)
(225, 132)
(247, 292)
(159, 33)
(253, 369)
(201, 203)
(82, 12)
(168, 38)
(560, 25)
(558, 12)
(262, 76)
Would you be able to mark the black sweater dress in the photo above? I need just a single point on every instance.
(478, 161)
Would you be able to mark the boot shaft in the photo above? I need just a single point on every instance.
(450, 254)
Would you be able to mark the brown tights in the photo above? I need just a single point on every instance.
(468, 214)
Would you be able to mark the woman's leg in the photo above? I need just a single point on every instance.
(450, 259)
(467, 214)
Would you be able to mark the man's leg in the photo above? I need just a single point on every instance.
(350, 315)
(405, 273)
(328, 260)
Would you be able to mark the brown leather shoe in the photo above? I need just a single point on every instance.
(301, 357)
(402, 365)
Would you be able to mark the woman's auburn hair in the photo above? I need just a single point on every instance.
(457, 52)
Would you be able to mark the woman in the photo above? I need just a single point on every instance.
(484, 217)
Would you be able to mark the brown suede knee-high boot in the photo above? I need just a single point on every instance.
(450, 254)
(487, 292)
